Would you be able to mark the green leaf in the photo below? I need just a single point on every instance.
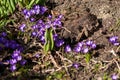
(41, 2)
(9, 6)
(31, 3)
(46, 41)
(16, 1)
(3, 22)
(49, 42)
(37, 1)
(12, 2)
(87, 57)
(59, 75)
(4, 1)
(1, 11)
(105, 76)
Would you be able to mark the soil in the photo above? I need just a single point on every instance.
(92, 20)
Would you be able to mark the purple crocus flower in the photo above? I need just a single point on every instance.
(3, 40)
(13, 67)
(47, 26)
(25, 11)
(22, 27)
(34, 27)
(19, 47)
(13, 44)
(115, 77)
(76, 65)
(18, 58)
(37, 11)
(3, 34)
(34, 34)
(77, 49)
(68, 48)
(43, 9)
(42, 38)
(80, 44)
(60, 16)
(93, 46)
(36, 7)
(28, 14)
(32, 19)
(12, 61)
(59, 42)
(49, 16)
(16, 53)
(41, 32)
(37, 55)
(89, 43)
(55, 37)
(40, 21)
(7, 44)
(85, 50)
(114, 40)
(57, 22)
(23, 62)
(32, 11)
(116, 43)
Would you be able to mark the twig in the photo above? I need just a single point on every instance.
(57, 66)
(105, 67)
(117, 48)
(49, 70)
(53, 70)
(54, 62)
(117, 64)
(66, 29)
(113, 52)
(63, 59)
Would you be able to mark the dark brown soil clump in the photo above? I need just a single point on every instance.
(96, 20)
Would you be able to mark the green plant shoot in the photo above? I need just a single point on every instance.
(49, 42)
(87, 57)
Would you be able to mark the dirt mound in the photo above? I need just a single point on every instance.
(96, 20)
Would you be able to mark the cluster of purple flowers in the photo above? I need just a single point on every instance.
(81, 47)
(9, 44)
(36, 10)
(12, 44)
(114, 40)
(16, 57)
(39, 27)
